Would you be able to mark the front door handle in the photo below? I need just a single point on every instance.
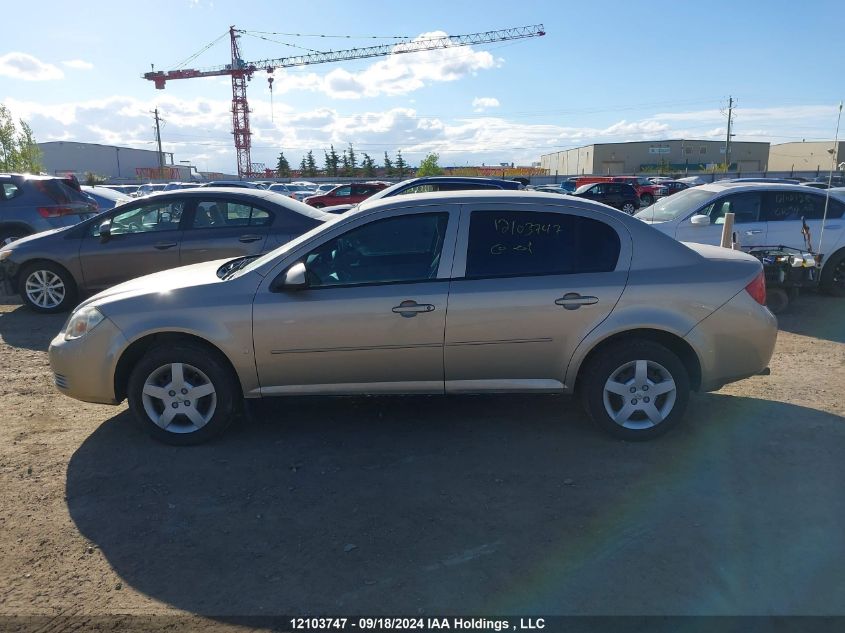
(164, 245)
(573, 300)
(410, 308)
(246, 239)
(754, 232)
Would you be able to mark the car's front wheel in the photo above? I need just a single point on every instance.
(182, 394)
(636, 390)
(629, 208)
(47, 287)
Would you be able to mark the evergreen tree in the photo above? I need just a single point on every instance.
(282, 166)
(401, 165)
(332, 162)
(388, 165)
(353, 160)
(303, 167)
(344, 161)
(310, 164)
(368, 165)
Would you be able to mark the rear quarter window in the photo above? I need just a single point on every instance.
(517, 243)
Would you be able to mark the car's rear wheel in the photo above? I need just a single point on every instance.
(635, 391)
(629, 208)
(833, 275)
(183, 394)
(647, 199)
(47, 287)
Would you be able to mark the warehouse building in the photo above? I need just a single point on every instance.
(806, 157)
(108, 161)
(653, 156)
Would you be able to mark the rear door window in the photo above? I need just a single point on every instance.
(524, 243)
(794, 205)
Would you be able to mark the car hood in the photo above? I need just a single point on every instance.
(36, 236)
(161, 283)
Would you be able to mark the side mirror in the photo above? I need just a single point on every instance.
(294, 278)
(700, 220)
(105, 231)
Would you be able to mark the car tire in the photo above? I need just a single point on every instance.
(777, 300)
(833, 275)
(47, 288)
(647, 199)
(188, 409)
(647, 368)
(629, 208)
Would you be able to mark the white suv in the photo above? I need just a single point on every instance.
(765, 214)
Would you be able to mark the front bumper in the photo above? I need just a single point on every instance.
(84, 368)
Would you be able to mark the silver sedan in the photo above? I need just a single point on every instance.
(463, 292)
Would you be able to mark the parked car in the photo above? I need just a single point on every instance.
(149, 234)
(646, 190)
(127, 190)
(301, 191)
(351, 193)
(231, 183)
(104, 197)
(546, 293)
(147, 189)
(619, 195)
(30, 204)
(430, 184)
(764, 215)
(669, 187)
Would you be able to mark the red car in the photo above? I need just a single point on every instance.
(351, 193)
(646, 190)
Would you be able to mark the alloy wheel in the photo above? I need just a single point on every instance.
(639, 394)
(179, 398)
(45, 289)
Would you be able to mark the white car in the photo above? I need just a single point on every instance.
(765, 214)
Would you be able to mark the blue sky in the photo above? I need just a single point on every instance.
(605, 71)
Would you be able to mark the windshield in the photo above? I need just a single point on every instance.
(583, 188)
(284, 248)
(677, 205)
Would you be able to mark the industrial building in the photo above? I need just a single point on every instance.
(116, 164)
(815, 156)
(654, 156)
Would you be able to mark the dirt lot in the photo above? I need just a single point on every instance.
(466, 505)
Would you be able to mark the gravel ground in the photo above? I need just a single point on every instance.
(458, 505)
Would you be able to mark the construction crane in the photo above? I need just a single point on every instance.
(242, 72)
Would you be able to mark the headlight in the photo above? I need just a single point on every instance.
(5, 254)
(82, 322)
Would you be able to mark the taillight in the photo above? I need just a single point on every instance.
(56, 212)
(757, 289)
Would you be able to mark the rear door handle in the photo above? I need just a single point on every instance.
(573, 300)
(249, 238)
(410, 308)
(754, 232)
(164, 245)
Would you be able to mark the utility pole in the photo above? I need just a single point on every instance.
(728, 140)
(158, 141)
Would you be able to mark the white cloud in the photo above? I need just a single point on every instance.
(77, 64)
(397, 74)
(480, 104)
(200, 130)
(24, 66)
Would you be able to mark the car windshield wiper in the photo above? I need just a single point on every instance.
(231, 267)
